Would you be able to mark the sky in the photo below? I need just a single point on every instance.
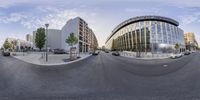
(21, 17)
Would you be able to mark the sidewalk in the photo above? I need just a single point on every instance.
(39, 58)
(145, 56)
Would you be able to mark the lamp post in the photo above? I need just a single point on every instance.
(47, 25)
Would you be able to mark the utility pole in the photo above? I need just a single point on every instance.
(47, 25)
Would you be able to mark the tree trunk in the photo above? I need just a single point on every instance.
(71, 53)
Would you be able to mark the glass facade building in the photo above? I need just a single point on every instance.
(147, 34)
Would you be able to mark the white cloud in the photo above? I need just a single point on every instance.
(144, 10)
(185, 3)
(54, 16)
(13, 17)
(190, 18)
(178, 3)
(8, 3)
(57, 18)
(47, 9)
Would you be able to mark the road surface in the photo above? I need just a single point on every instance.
(102, 77)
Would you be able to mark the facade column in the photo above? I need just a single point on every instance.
(151, 42)
(161, 27)
(132, 29)
(145, 41)
(156, 29)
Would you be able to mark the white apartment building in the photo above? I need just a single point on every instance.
(86, 38)
(18, 44)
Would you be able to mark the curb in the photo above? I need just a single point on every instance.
(56, 64)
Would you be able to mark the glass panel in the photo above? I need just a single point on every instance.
(153, 31)
(142, 36)
(168, 33)
(172, 32)
(164, 32)
(159, 33)
(176, 32)
(148, 28)
(138, 38)
(124, 36)
(127, 44)
(134, 35)
(130, 40)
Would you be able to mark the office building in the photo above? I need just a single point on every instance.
(153, 34)
(190, 41)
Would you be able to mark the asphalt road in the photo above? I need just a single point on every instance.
(102, 77)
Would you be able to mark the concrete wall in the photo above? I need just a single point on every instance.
(54, 37)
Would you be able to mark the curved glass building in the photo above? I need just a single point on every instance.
(147, 34)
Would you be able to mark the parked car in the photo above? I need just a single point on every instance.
(6, 53)
(174, 56)
(186, 53)
(115, 53)
(95, 52)
(59, 51)
(106, 51)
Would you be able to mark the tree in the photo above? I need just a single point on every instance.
(13, 45)
(176, 46)
(71, 40)
(7, 45)
(40, 38)
(138, 49)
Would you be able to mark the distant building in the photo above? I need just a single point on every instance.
(198, 40)
(29, 37)
(154, 34)
(18, 44)
(190, 41)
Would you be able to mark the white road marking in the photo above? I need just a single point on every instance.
(165, 65)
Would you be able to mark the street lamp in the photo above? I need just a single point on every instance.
(47, 25)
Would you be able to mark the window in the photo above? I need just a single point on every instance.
(148, 28)
(159, 33)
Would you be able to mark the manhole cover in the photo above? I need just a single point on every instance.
(165, 65)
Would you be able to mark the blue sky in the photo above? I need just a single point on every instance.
(21, 17)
